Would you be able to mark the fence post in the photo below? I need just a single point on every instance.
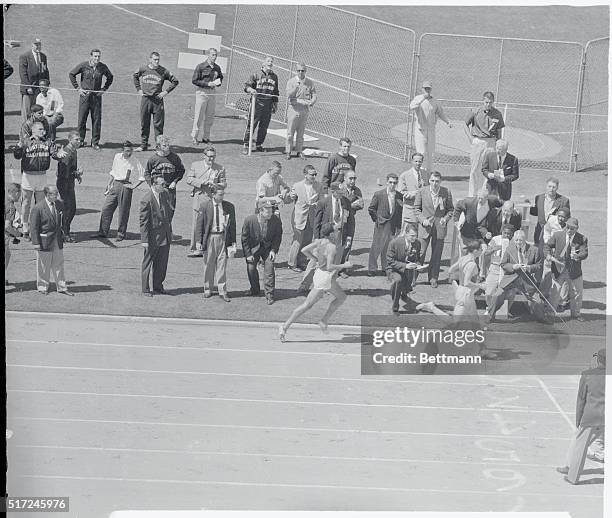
(573, 165)
(499, 67)
(350, 78)
(251, 121)
(295, 23)
(503, 131)
(229, 65)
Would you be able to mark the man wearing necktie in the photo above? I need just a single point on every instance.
(47, 238)
(355, 198)
(32, 68)
(156, 236)
(215, 233)
(402, 261)
(409, 184)
(566, 250)
(500, 168)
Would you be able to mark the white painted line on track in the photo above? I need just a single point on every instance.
(556, 404)
(372, 379)
(280, 401)
(151, 19)
(299, 486)
(275, 428)
(276, 455)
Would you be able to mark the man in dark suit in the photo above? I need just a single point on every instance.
(215, 234)
(500, 168)
(402, 261)
(353, 194)
(480, 213)
(32, 68)
(156, 235)
(48, 240)
(261, 238)
(565, 251)
(590, 419)
(546, 205)
(507, 215)
(522, 266)
(433, 206)
(386, 212)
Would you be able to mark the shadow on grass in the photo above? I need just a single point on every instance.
(591, 285)
(88, 288)
(590, 304)
(79, 212)
(590, 481)
(11, 113)
(348, 338)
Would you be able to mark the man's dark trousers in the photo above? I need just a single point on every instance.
(401, 283)
(90, 104)
(68, 196)
(269, 275)
(261, 121)
(119, 196)
(156, 258)
(150, 107)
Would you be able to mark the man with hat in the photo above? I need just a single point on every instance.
(53, 107)
(126, 175)
(590, 419)
(566, 250)
(427, 111)
(203, 175)
(261, 238)
(32, 68)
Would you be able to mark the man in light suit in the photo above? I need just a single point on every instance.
(402, 261)
(386, 212)
(500, 168)
(336, 210)
(216, 232)
(565, 251)
(48, 240)
(32, 68)
(155, 236)
(546, 205)
(409, 184)
(261, 238)
(434, 207)
(522, 266)
(306, 195)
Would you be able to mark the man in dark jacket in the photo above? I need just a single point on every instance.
(32, 68)
(68, 171)
(402, 262)
(264, 85)
(90, 94)
(207, 76)
(261, 238)
(590, 418)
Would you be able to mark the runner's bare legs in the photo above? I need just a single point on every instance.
(339, 298)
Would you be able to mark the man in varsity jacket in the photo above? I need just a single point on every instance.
(149, 81)
(264, 85)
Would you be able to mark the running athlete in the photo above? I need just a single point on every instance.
(323, 251)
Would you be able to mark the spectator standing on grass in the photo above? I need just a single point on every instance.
(216, 238)
(36, 116)
(262, 234)
(35, 153)
(500, 168)
(90, 94)
(301, 95)
(271, 186)
(68, 171)
(385, 210)
(203, 176)
(339, 163)
(53, 107)
(590, 419)
(207, 76)
(47, 238)
(409, 184)
(305, 194)
(149, 81)
(155, 236)
(353, 194)
(32, 68)
(126, 170)
(167, 164)
(547, 205)
(264, 86)
(484, 125)
(427, 111)
(12, 222)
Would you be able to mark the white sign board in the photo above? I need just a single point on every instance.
(199, 41)
(206, 21)
(190, 61)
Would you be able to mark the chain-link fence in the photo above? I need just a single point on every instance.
(367, 71)
(592, 119)
(362, 69)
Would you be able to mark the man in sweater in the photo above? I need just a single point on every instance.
(90, 94)
(149, 82)
(207, 76)
(264, 85)
(53, 107)
(339, 163)
(167, 164)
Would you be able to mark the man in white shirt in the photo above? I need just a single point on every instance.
(271, 186)
(301, 95)
(53, 107)
(409, 184)
(126, 170)
(427, 111)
